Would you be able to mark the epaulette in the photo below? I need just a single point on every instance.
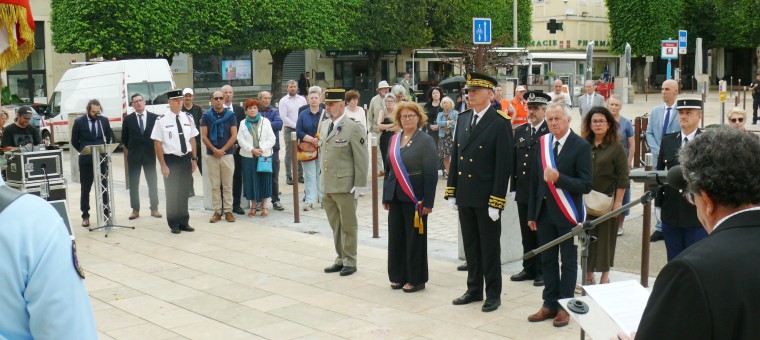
(501, 113)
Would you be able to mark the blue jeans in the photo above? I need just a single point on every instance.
(678, 238)
(312, 188)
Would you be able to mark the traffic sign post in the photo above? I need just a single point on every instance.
(669, 51)
(682, 42)
(481, 31)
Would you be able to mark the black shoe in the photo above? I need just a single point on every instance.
(491, 305)
(465, 299)
(175, 230)
(347, 270)
(415, 288)
(334, 268)
(522, 276)
(539, 281)
(656, 236)
(278, 206)
(187, 228)
(238, 210)
(300, 179)
(462, 267)
(289, 181)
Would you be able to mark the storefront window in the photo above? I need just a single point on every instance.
(219, 70)
(27, 78)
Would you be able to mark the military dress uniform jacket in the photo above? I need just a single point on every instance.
(481, 160)
(525, 155)
(676, 211)
(343, 156)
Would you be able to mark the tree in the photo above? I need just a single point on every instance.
(643, 24)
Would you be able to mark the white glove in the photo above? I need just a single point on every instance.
(512, 194)
(657, 213)
(493, 213)
(356, 191)
(453, 203)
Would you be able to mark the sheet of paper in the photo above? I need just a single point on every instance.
(623, 301)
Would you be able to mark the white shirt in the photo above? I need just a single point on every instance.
(166, 132)
(480, 114)
(689, 136)
(142, 116)
(737, 212)
(562, 141)
(357, 116)
(289, 109)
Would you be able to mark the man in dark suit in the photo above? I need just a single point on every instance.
(273, 114)
(477, 187)
(710, 290)
(526, 144)
(237, 176)
(562, 169)
(141, 155)
(680, 226)
(90, 129)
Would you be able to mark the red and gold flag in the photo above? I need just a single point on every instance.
(16, 32)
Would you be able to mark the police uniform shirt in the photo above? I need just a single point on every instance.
(685, 139)
(166, 132)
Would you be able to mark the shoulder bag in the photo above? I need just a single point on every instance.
(264, 164)
(307, 152)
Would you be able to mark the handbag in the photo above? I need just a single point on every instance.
(264, 164)
(307, 152)
(598, 203)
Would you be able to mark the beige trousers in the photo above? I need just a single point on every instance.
(341, 213)
(220, 172)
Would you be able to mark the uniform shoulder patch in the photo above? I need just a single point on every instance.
(501, 113)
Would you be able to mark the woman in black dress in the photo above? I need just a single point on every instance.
(386, 126)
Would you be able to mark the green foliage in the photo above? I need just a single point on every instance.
(643, 24)
(392, 24)
(738, 23)
(451, 20)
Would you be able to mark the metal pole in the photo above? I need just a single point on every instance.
(744, 101)
(646, 90)
(646, 228)
(373, 176)
(126, 166)
(704, 97)
(731, 86)
(294, 166)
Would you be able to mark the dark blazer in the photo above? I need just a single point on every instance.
(421, 163)
(239, 116)
(676, 211)
(575, 176)
(525, 148)
(81, 136)
(710, 290)
(481, 160)
(273, 115)
(140, 146)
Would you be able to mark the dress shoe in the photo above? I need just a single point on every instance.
(175, 230)
(334, 268)
(228, 216)
(156, 214)
(542, 314)
(562, 319)
(656, 236)
(491, 305)
(289, 180)
(86, 222)
(187, 228)
(278, 206)
(414, 288)
(238, 210)
(300, 179)
(462, 267)
(347, 270)
(522, 276)
(135, 214)
(465, 299)
(216, 218)
(539, 281)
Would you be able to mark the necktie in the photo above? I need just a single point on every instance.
(140, 122)
(532, 133)
(556, 149)
(666, 122)
(329, 130)
(94, 128)
(474, 120)
(685, 140)
(181, 133)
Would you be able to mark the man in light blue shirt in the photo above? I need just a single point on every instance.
(42, 296)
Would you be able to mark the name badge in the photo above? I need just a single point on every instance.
(169, 126)
(186, 124)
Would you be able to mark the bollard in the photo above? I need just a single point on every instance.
(646, 90)
(731, 86)
(373, 176)
(704, 101)
(294, 158)
(646, 228)
(744, 101)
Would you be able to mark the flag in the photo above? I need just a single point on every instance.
(16, 32)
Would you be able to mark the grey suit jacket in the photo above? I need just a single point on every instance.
(654, 128)
(343, 156)
(584, 106)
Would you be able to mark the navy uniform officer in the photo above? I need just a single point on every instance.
(477, 187)
(177, 153)
(526, 143)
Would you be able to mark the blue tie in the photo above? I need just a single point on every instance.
(667, 121)
(94, 128)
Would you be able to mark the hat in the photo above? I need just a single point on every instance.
(478, 80)
(174, 94)
(187, 90)
(689, 104)
(538, 98)
(520, 88)
(335, 95)
(383, 85)
(25, 111)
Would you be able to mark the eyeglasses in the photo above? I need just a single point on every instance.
(138, 101)
(217, 98)
(737, 120)
(599, 122)
(408, 117)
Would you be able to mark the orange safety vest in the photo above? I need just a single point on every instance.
(521, 112)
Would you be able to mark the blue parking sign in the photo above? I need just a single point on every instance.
(481, 30)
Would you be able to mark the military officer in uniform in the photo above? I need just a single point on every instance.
(343, 161)
(526, 143)
(177, 153)
(480, 170)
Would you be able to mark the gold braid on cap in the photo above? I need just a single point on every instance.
(496, 202)
(479, 83)
(449, 192)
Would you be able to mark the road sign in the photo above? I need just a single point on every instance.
(481, 31)
(722, 89)
(669, 49)
(682, 42)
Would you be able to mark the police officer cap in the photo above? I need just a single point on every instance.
(335, 95)
(689, 103)
(478, 80)
(174, 94)
(537, 98)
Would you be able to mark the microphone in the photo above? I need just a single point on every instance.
(676, 179)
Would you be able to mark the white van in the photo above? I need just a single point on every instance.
(112, 83)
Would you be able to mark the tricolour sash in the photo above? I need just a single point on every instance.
(402, 176)
(563, 199)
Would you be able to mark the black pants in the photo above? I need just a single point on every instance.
(532, 266)
(177, 190)
(407, 248)
(559, 282)
(755, 104)
(134, 184)
(275, 176)
(86, 178)
(237, 181)
(482, 251)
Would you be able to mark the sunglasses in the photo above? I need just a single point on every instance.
(737, 120)
(217, 98)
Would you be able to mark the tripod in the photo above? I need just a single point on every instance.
(101, 158)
